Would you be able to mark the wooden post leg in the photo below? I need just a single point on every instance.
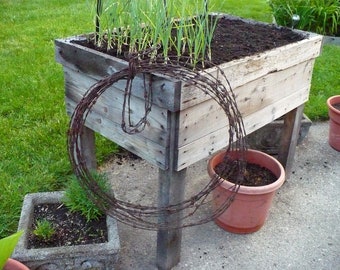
(171, 191)
(289, 137)
(88, 146)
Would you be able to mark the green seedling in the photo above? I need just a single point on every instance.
(44, 229)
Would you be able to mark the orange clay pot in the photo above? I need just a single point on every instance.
(14, 265)
(249, 210)
(334, 123)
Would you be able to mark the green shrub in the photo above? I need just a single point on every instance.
(76, 197)
(320, 16)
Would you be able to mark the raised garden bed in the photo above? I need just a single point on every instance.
(267, 85)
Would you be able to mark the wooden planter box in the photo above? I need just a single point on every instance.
(92, 256)
(187, 121)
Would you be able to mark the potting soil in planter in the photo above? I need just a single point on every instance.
(336, 106)
(233, 39)
(70, 228)
(254, 175)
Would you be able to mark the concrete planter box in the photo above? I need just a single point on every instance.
(185, 121)
(331, 40)
(267, 138)
(94, 256)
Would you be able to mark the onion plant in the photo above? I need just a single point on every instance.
(164, 26)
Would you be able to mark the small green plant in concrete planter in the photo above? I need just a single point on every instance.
(44, 229)
(7, 246)
(46, 243)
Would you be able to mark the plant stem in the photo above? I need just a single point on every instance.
(99, 10)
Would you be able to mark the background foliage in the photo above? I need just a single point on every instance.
(320, 16)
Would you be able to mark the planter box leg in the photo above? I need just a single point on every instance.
(290, 134)
(171, 190)
(88, 146)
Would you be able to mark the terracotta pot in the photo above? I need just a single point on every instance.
(249, 210)
(14, 265)
(334, 122)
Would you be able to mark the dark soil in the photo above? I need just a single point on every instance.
(235, 39)
(254, 175)
(336, 106)
(70, 228)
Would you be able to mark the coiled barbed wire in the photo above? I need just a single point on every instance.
(147, 217)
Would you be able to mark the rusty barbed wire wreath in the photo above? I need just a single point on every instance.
(147, 217)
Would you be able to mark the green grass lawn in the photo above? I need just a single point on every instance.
(325, 82)
(33, 154)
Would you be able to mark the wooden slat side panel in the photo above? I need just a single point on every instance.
(139, 145)
(242, 71)
(99, 65)
(238, 72)
(94, 63)
(206, 117)
(205, 146)
(109, 105)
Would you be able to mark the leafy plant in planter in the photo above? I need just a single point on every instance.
(44, 229)
(65, 229)
(156, 25)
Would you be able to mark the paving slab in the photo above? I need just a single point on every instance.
(302, 230)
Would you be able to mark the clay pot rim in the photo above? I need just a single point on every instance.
(254, 190)
(333, 100)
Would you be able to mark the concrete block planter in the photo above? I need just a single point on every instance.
(267, 138)
(331, 40)
(94, 256)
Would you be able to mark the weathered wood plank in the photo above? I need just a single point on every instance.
(289, 137)
(110, 105)
(212, 142)
(171, 191)
(88, 147)
(242, 71)
(139, 145)
(98, 65)
(208, 116)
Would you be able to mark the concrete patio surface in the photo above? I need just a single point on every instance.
(302, 231)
